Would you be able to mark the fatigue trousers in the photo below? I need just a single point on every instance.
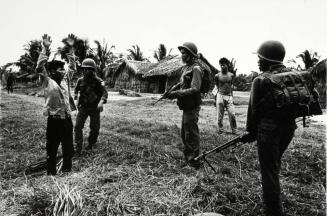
(225, 102)
(82, 115)
(59, 131)
(190, 134)
(272, 140)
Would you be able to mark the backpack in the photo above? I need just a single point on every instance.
(206, 79)
(292, 94)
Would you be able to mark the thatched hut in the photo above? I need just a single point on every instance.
(168, 72)
(129, 74)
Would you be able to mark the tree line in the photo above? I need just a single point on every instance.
(103, 55)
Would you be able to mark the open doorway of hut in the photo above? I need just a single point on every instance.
(162, 85)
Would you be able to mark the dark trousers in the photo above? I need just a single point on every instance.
(190, 134)
(94, 126)
(59, 131)
(10, 88)
(273, 139)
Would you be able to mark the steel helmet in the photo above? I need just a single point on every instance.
(191, 47)
(272, 50)
(89, 63)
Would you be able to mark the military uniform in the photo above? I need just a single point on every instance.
(274, 133)
(90, 91)
(189, 100)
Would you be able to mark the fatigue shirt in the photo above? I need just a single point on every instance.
(56, 96)
(191, 80)
(260, 88)
(189, 94)
(90, 92)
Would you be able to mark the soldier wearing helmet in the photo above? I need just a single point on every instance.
(189, 100)
(57, 104)
(272, 131)
(92, 94)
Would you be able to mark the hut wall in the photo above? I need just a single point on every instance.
(153, 85)
(126, 80)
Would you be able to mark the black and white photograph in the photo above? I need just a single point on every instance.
(163, 108)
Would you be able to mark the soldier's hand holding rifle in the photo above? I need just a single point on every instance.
(168, 94)
(248, 137)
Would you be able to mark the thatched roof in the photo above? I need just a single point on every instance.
(135, 67)
(170, 66)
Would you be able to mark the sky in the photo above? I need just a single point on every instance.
(232, 29)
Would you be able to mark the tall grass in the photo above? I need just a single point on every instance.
(135, 168)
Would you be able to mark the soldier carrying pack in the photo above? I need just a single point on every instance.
(292, 95)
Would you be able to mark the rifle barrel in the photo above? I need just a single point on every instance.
(219, 148)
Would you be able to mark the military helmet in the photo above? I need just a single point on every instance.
(272, 50)
(89, 63)
(191, 47)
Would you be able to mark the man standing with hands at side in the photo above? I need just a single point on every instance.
(189, 100)
(91, 94)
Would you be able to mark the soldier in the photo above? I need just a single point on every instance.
(224, 97)
(272, 130)
(189, 100)
(57, 105)
(10, 83)
(92, 96)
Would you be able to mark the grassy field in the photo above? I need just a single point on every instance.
(135, 167)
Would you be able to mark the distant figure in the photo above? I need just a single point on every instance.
(224, 98)
(10, 83)
(189, 100)
(57, 105)
(92, 95)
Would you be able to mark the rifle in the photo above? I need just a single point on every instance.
(172, 88)
(218, 149)
(41, 166)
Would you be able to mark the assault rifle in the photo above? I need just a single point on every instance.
(41, 166)
(172, 88)
(218, 149)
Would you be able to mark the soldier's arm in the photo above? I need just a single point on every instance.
(252, 114)
(195, 84)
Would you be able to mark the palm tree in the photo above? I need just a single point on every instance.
(232, 66)
(135, 54)
(161, 53)
(309, 58)
(28, 60)
(82, 49)
(103, 56)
